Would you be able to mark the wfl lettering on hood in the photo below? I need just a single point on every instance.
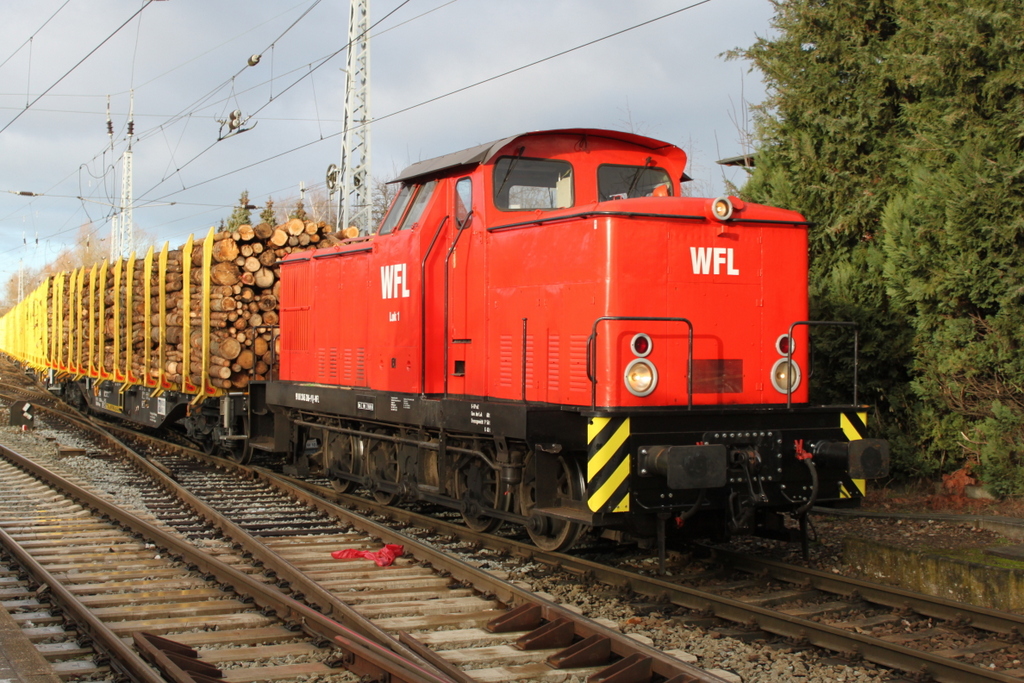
(393, 282)
(708, 259)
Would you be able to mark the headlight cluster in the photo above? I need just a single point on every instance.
(641, 376)
(785, 372)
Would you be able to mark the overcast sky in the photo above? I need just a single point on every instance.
(186, 61)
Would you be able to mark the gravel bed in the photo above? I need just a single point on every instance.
(664, 627)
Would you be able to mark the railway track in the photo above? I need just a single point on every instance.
(448, 616)
(116, 577)
(928, 637)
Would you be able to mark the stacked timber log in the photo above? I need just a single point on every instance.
(243, 290)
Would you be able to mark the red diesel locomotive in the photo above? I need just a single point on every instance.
(544, 330)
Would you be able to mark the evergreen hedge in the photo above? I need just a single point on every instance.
(898, 128)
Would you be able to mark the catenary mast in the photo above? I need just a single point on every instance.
(355, 204)
(122, 234)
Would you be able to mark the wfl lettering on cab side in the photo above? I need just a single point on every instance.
(706, 260)
(393, 281)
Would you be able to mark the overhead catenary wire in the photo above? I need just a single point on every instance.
(28, 40)
(561, 53)
(186, 114)
(77, 64)
(308, 74)
(147, 2)
(434, 99)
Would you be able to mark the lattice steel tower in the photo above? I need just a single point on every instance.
(355, 204)
(122, 233)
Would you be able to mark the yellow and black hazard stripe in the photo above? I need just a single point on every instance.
(608, 464)
(855, 426)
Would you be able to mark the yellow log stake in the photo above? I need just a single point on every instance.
(147, 325)
(186, 332)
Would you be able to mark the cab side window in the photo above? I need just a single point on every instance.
(418, 204)
(463, 200)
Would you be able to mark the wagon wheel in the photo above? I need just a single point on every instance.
(477, 485)
(548, 533)
(382, 466)
(342, 453)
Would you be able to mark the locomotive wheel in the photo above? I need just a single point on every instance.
(550, 534)
(342, 452)
(241, 454)
(382, 465)
(477, 484)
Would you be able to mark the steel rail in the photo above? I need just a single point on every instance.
(365, 656)
(818, 634)
(286, 572)
(122, 658)
(890, 596)
(628, 649)
(621, 645)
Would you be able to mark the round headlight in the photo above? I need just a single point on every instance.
(721, 208)
(641, 345)
(641, 377)
(785, 345)
(785, 376)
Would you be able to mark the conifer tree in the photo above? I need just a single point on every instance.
(826, 136)
(898, 127)
(240, 215)
(267, 215)
(300, 211)
(954, 231)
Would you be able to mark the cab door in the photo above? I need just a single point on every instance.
(459, 338)
(397, 324)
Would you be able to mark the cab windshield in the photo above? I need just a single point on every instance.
(626, 182)
(530, 184)
(400, 219)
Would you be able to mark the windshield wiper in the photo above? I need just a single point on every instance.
(508, 173)
(636, 176)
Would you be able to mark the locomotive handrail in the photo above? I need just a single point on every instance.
(593, 214)
(592, 357)
(822, 323)
(423, 309)
(634, 214)
(336, 254)
(447, 283)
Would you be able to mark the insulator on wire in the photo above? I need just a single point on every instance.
(131, 128)
(110, 127)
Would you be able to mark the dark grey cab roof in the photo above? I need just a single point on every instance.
(482, 153)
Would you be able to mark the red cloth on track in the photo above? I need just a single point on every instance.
(382, 558)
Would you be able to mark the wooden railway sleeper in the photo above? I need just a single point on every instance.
(260, 554)
(371, 657)
(619, 646)
(103, 639)
(178, 662)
